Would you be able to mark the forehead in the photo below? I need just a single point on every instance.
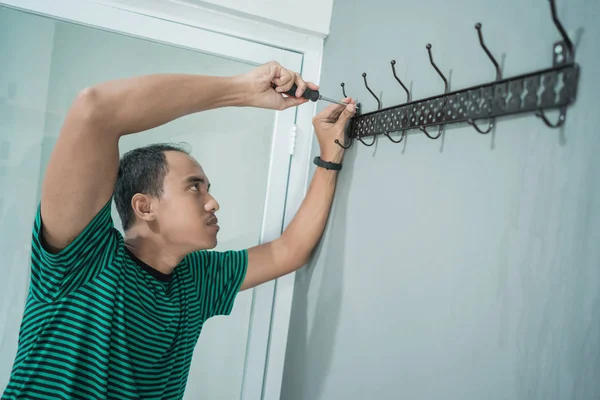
(181, 166)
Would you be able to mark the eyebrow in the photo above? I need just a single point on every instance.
(196, 179)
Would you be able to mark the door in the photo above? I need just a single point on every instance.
(52, 52)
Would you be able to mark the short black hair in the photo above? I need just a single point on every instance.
(141, 170)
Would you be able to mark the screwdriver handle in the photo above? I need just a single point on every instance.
(312, 95)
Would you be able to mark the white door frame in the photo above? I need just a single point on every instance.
(191, 26)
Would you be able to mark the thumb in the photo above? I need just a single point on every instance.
(331, 113)
(348, 112)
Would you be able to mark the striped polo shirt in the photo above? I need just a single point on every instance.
(101, 324)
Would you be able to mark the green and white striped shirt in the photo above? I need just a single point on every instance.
(101, 324)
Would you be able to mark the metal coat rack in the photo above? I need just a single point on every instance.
(548, 89)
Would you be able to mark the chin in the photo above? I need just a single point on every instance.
(206, 245)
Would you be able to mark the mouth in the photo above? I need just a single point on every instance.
(214, 222)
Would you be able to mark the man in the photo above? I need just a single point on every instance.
(113, 317)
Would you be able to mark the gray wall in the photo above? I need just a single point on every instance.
(463, 268)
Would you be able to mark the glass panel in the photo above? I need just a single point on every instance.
(44, 64)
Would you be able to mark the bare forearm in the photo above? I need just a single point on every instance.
(306, 228)
(293, 249)
(136, 104)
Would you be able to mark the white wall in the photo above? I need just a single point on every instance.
(49, 63)
(311, 15)
(26, 48)
(289, 43)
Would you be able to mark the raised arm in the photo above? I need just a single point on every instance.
(83, 167)
(292, 250)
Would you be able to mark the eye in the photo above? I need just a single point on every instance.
(196, 187)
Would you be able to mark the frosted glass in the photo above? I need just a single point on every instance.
(49, 62)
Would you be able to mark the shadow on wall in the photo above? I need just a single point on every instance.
(310, 358)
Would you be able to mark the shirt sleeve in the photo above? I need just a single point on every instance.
(54, 275)
(218, 277)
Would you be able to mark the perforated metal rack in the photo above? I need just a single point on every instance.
(548, 89)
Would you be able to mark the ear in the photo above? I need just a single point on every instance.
(142, 205)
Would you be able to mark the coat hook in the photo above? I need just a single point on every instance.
(441, 127)
(436, 68)
(487, 51)
(430, 136)
(359, 138)
(560, 28)
(478, 129)
(400, 82)
(561, 118)
(498, 77)
(393, 63)
(395, 141)
(570, 56)
(337, 141)
(378, 107)
(370, 91)
(342, 146)
(370, 144)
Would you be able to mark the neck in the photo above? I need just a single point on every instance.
(151, 250)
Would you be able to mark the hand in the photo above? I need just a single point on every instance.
(259, 92)
(330, 125)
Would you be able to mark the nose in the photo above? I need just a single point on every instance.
(211, 205)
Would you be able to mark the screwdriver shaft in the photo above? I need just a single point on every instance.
(312, 95)
(321, 97)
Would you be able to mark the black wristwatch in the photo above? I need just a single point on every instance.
(326, 164)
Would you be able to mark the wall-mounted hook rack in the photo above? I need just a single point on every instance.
(548, 89)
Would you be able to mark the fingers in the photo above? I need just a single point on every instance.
(280, 76)
(285, 80)
(293, 102)
(333, 111)
(294, 78)
(301, 85)
(273, 71)
(346, 114)
(312, 86)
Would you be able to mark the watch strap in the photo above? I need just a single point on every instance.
(327, 164)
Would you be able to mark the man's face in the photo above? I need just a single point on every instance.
(185, 213)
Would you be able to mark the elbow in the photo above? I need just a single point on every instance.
(301, 260)
(90, 109)
(295, 257)
(295, 264)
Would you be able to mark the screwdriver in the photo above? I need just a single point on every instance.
(312, 95)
